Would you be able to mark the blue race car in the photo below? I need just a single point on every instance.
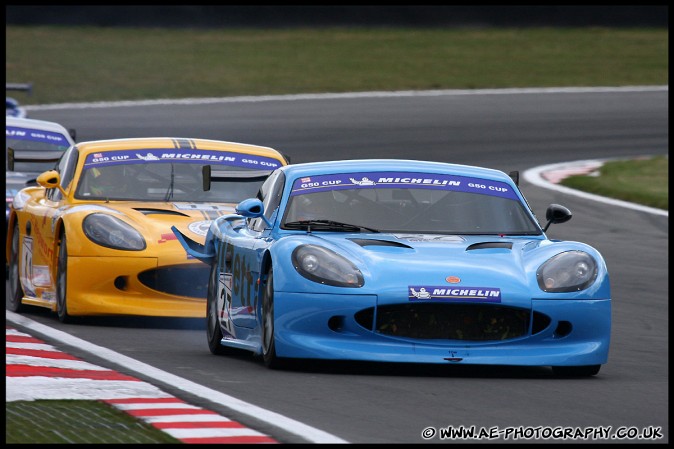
(402, 261)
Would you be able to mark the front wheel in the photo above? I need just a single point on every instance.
(213, 330)
(268, 344)
(61, 281)
(576, 371)
(15, 290)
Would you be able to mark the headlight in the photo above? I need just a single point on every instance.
(567, 272)
(112, 232)
(326, 267)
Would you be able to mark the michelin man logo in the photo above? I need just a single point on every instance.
(149, 157)
(363, 182)
(200, 227)
(421, 294)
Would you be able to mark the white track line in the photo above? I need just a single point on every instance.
(535, 176)
(309, 433)
(345, 95)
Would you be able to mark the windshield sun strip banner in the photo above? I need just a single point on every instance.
(443, 293)
(190, 156)
(36, 135)
(370, 180)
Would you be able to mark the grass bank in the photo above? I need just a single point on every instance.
(97, 64)
(76, 422)
(641, 181)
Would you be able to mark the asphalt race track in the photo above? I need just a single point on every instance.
(394, 404)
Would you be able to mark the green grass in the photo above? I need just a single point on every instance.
(88, 422)
(97, 64)
(643, 181)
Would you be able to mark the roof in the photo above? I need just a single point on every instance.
(377, 165)
(146, 143)
(38, 124)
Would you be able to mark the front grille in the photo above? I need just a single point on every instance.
(447, 321)
(180, 280)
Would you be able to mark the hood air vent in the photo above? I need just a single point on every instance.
(490, 245)
(371, 242)
(160, 212)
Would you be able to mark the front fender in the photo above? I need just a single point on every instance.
(207, 252)
(204, 253)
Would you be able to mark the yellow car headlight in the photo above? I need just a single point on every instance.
(111, 232)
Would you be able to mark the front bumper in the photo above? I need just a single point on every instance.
(573, 333)
(135, 286)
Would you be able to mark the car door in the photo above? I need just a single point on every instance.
(243, 271)
(39, 242)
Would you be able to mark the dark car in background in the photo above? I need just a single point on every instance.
(31, 147)
(12, 106)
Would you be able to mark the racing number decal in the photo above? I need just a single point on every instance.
(236, 293)
(225, 297)
(27, 266)
(243, 280)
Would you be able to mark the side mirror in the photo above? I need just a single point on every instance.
(206, 177)
(556, 213)
(252, 208)
(50, 180)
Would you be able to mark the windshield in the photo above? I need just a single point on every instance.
(31, 146)
(126, 175)
(389, 202)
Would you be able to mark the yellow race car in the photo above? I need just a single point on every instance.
(94, 237)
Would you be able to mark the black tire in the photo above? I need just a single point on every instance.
(213, 331)
(61, 281)
(15, 290)
(268, 339)
(576, 371)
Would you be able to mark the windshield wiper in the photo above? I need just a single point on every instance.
(327, 225)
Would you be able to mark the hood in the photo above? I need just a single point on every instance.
(191, 218)
(18, 180)
(480, 263)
